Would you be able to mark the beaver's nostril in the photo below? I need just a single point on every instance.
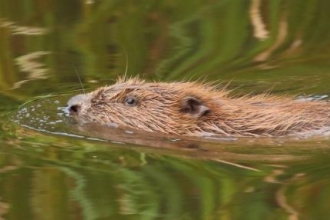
(74, 109)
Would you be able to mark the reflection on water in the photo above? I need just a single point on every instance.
(53, 169)
(259, 27)
(16, 29)
(95, 180)
(27, 63)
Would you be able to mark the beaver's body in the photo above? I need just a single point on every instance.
(192, 109)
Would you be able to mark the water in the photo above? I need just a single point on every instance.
(50, 169)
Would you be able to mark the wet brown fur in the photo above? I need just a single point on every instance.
(193, 109)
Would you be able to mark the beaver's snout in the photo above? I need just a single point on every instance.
(77, 103)
(74, 109)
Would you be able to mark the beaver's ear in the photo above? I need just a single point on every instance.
(194, 106)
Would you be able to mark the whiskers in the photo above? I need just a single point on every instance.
(126, 67)
(79, 78)
(124, 77)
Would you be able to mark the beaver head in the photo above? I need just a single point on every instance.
(171, 108)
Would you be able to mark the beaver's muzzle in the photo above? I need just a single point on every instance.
(77, 103)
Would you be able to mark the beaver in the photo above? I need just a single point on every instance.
(197, 109)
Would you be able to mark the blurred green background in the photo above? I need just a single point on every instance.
(48, 171)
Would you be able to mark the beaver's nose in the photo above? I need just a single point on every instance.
(76, 102)
(74, 109)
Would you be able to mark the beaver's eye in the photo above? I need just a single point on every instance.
(130, 101)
